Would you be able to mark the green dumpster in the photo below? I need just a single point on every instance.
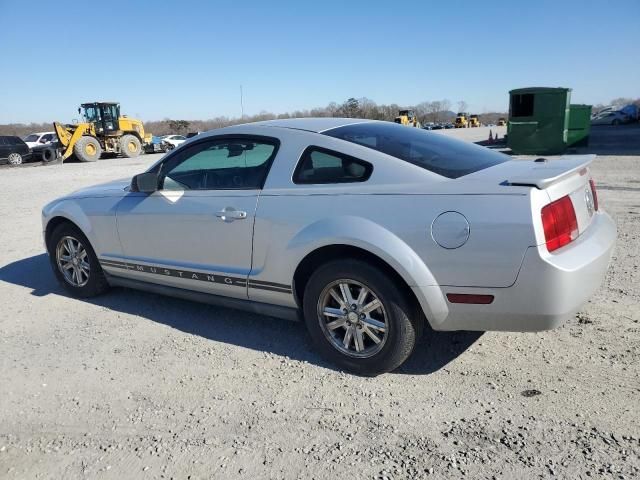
(538, 120)
(579, 125)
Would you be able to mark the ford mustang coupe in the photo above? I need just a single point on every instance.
(369, 231)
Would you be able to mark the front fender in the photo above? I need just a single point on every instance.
(69, 209)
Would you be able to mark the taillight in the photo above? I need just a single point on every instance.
(560, 223)
(594, 194)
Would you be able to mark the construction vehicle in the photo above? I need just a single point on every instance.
(407, 117)
(462, 120)
(103, 130)
(502, 122)
(474, 121)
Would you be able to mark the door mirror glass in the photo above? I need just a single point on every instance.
(145, 182)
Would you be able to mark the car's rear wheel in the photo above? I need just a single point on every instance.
(74, 262)
(358, 318)
(15, 159)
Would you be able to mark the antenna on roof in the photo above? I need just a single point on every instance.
(241, 104)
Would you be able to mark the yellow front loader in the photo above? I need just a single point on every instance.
(407, 117)
(103, 130)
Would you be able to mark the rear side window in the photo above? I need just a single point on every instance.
(319, 165)
(432, 151)
(522, 105)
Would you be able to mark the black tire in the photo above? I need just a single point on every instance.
(49, 154)
(130, 146)
(404, 321)
(87, 149)
(96, 282)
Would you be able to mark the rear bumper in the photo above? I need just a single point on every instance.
(549, 289)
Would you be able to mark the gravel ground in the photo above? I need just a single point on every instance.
(133, 385)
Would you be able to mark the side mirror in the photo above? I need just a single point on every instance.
(145, 182)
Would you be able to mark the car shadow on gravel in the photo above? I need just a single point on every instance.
(247, 330)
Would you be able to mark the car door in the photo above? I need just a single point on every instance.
(4, 148)
(196, 231)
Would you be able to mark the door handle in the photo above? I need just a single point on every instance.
(229, 214)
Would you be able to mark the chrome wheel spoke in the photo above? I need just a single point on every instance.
(362, 296)
(333, 312)
(337, 298)
(359, 341)
(341, 322)
(371, 306)
(371, 334)
(71, 248)
(346, 294)
(375, 324)
(347, 337)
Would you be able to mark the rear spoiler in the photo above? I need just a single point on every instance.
(545, 172)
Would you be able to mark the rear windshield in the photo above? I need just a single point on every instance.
(432, 151)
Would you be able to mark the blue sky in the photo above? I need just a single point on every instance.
(187, 59)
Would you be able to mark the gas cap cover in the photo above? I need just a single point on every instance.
(450, 230)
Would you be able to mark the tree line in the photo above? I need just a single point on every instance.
(430, 111)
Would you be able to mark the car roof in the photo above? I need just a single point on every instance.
(310, 124)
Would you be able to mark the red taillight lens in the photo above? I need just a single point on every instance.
(594, 193)
(560, 223)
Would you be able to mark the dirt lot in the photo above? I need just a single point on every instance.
(132, 385)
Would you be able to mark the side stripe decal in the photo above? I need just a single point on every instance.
(201, 276)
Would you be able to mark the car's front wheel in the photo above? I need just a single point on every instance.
(358, 318)
(74, 262)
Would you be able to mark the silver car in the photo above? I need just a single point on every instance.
(371, 232)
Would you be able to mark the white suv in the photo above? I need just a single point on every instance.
(42, 138)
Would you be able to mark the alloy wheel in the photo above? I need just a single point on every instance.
(15, 158)
(73, 261)
(353, 318)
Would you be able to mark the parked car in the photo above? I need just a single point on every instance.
(192, 134)
(156, 145)
(610, 118)
(42, 138)
(449, 125)
(13, 150)
(369, 231)
(173, 141)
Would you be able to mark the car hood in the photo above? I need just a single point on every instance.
(116, 188)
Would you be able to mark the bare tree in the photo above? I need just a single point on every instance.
(462, 106)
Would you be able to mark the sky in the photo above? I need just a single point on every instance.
(187, 59)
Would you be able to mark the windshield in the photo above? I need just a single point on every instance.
(434, 152)
(31, 138)
(91, 114)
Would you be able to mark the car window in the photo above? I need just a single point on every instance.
(321, 166)
(179, 137)
(236, 164)
(3, 141)
(31, 138)
(439, 154)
